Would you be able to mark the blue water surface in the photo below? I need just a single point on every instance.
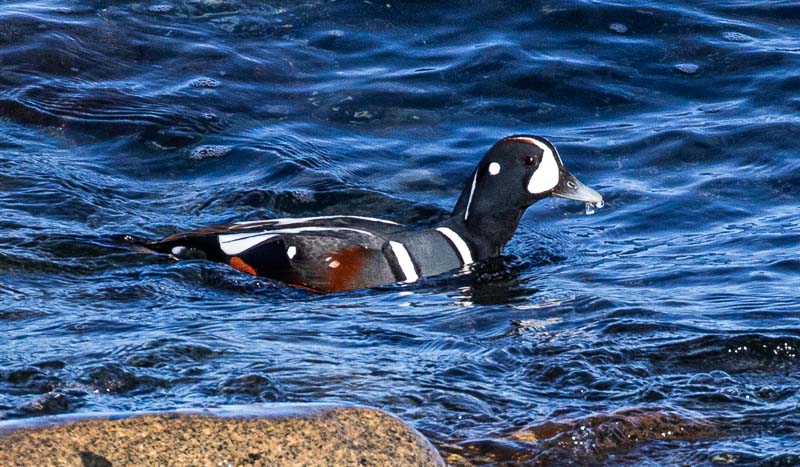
(663, 329)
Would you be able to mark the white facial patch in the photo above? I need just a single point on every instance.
(494, 168)
(291, 251)
(546, 176)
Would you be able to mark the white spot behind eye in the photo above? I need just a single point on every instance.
(546, 176)
(291, 251)
(494, 168)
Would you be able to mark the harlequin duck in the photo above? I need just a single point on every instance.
(335, 253)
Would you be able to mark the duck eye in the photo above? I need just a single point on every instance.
(529, 160)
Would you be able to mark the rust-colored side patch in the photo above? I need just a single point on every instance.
(345, 268)
(239, 264)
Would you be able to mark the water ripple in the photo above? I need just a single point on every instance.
(667, 319)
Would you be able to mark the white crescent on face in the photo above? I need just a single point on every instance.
(546, 176)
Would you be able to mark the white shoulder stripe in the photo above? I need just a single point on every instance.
(404, 260)
(459, 243)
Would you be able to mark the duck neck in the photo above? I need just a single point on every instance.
(484, 225)
(486, 232)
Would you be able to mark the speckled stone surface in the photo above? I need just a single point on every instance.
(261, 436)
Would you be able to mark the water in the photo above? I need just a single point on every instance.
(662, 329)
(591, 208)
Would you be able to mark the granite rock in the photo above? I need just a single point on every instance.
(274, 435)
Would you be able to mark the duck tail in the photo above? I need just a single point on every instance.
(180, 246)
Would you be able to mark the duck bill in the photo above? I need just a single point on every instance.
(571, 188)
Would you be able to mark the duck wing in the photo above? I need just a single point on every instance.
(325, 254)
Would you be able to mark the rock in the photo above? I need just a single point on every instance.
(165, 8)
(276, 434)
(50, 403)
(618, 28)
(687, 68)
(209, 152)
(736, 37)
(204, 83)
(589, 440)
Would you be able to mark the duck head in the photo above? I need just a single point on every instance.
(515, 173)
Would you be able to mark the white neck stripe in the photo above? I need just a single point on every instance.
(459, 243)
(471, 192)
(404, 260)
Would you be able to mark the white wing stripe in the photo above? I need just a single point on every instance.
(233, 244)
(404, 260)
(300, 220)
(459, 243)
(225, 238)
(236, 246)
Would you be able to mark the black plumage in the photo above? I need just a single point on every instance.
(333, 253)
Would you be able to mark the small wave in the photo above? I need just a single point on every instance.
(103, 111)
(747, 353)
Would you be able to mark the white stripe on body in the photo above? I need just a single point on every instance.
(236, 246)
(300, 220)
(460, 244)
(233, 244)
(404, 260)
